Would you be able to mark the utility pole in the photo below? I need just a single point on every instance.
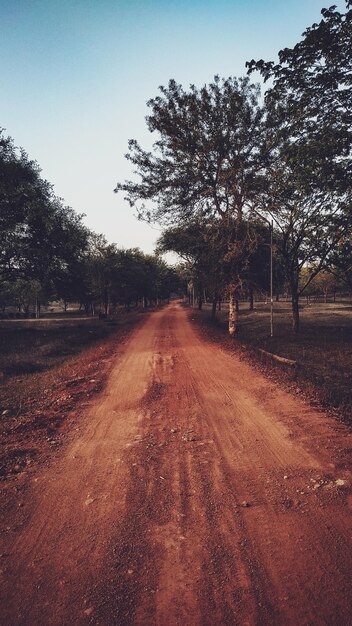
(271, 227)
(271, 281)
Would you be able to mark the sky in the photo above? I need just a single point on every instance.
(75, 76)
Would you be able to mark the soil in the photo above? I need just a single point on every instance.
(39, 410)
(192, 491)
(321, 350)
(321, 376)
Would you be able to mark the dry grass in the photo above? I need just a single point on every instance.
(52, 369)
(322, 349)
(32, 352)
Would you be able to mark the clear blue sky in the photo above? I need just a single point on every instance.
(76, 74)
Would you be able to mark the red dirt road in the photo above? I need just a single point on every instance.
(195, 492)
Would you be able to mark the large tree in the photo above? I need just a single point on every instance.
(308, 131)
(205, 163)
(207, 246)
(312, 98)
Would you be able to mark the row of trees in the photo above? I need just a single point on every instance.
(112, 276)
(208, 266)
(228, 165)
(47, 253)
(41, 238)
(325, 286)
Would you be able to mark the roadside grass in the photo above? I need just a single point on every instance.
(322, 349)
(51, 369)
(32, 351)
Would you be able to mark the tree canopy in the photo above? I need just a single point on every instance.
(205, 161)
(41, 237)
(47, 253)
(311, 100)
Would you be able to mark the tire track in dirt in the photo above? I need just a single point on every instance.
(272, 450)
(55, 560)
(212, 547)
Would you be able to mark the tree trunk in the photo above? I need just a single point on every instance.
(251, 299)
(219, 304)
(295, 310)
(37, 309)
(200, 300)
(213, 308)
(106, 301)
(233, 311)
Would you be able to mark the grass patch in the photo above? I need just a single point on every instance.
(33, 351)
(51, 369)
(38, 345)
(322, 349)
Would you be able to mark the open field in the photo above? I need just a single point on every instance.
(32, 346)
(29, 348)
(322, 349)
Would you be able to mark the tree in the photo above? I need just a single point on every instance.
(308, 227)
(309, 142)
(42, 239)
(205, 164)
(20, 293)
(21, 191)
(324, 283)
(69, 240)
(340, 262)
(113, 276)
(193, 244)
(312, 96)
(204, 246)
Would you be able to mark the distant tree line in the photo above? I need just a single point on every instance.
(228, 166)
(47, 253)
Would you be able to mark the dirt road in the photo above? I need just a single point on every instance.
(195, 492)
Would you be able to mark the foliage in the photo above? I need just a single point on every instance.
(42, 239)
(193, 243)
(340, 262)
(308, 229)
(205, 160)
(309, 142)
(312, 100)
(115, 276)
